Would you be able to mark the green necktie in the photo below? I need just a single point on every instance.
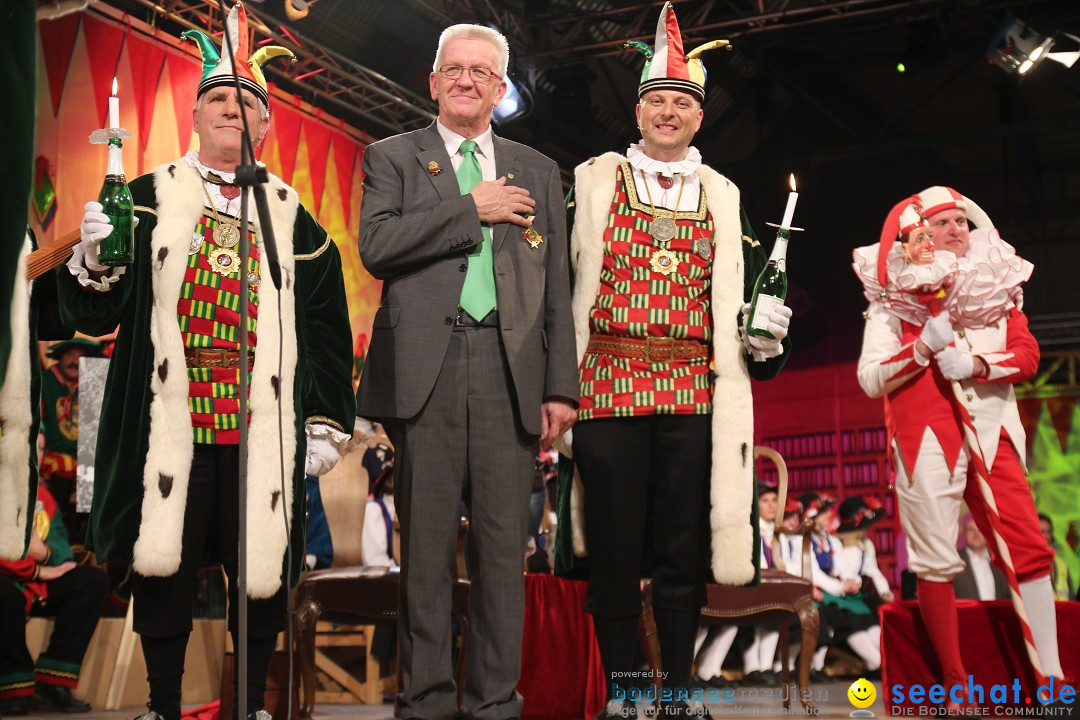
(478, 293)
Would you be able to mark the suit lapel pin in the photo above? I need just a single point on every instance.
(433, 168)
(531, 236)
(510, 176)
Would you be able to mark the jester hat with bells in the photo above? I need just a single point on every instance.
(666, 67)
(218, 67)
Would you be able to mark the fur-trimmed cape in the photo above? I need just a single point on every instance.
(145, 446)
(732, 486)
(16, 417)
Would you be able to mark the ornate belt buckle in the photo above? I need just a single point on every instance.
(660, 349)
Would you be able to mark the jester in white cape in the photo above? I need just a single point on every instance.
(945, 308)
(165, 496)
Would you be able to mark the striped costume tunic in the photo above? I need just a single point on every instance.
(208, 312)
(635, 301)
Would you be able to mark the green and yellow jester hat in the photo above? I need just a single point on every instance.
(666, 67)
(218, 67)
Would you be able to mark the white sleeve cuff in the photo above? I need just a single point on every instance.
(77, 266)
(336, 438)
(919, 359)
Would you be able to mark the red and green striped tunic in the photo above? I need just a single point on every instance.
(635, 301)
(209, 315)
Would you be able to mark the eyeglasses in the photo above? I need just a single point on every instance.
(478, 74)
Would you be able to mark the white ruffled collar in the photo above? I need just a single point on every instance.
(980, 288)
(640, 161)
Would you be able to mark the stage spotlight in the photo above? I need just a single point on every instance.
(516, 104)
(1017, 47)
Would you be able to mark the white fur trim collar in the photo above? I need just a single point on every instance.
(168, 461)
(15, 413)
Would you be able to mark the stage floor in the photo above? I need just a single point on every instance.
(830, 699)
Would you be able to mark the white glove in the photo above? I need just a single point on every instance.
(324, 447)
(937, 333)
(322, 456)
(955, 364)
(763, 348)
(95, 228)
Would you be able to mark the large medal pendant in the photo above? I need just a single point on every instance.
(664, 261)
(226, 234)
(662, 229)
(224, 261)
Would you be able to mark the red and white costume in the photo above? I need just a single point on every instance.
(926, 439)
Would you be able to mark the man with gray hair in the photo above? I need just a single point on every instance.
(471, 366)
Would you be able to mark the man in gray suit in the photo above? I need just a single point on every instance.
(980, 579)
(471, 365)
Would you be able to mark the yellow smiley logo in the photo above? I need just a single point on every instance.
(862, 693)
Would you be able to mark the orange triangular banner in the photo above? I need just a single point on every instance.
(184, 79)
(104, 42)
(285, 125)
(1061, 413)
(146, 59)
(57, 45)
(344, 159)
(318, 146)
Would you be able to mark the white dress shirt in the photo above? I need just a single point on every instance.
(485, 149)
(984, 576)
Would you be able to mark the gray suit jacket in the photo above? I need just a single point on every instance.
(966, 587)
(415, 231)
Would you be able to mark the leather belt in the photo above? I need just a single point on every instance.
(648, 349)
(465, 320)
(216, 358)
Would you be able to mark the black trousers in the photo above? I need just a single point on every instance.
(163, 605)
(74, 599)
(646, 498)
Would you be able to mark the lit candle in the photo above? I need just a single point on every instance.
(789, 211)
(114, 107)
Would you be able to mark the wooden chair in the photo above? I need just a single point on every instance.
(344, 492)
(777, 597)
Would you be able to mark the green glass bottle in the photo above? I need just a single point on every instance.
(770, 288)
(115, 198)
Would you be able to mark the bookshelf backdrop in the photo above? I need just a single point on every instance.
(833, 438)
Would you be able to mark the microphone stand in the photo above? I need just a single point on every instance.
(248, 175)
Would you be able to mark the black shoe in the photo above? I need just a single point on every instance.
(59, 698)
(819, 676)
(14, 707)
(719, 682)
(760, 678)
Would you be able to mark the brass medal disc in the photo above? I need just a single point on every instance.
(226, 234)
(224, 261)
(662, 228)
(664, 262)
(704, 248)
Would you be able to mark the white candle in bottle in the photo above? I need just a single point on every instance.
(789, 211)
(114, 107)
